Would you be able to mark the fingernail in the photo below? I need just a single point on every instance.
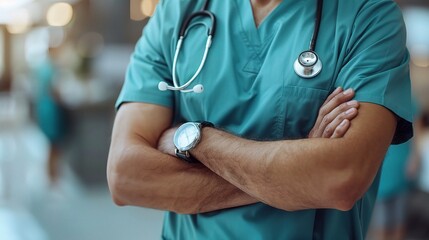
(350, 111)
(343, 123)
(348, 91)
(352, 103)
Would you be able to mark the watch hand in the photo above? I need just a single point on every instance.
(187, 134)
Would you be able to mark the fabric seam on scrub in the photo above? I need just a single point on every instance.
(143, 98)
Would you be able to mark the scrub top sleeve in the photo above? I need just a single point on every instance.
(376, 63)
(148, 66)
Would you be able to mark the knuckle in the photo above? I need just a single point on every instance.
(338, 129)
(343, 115)
(344, 107)
(326, 120)
(328, 132)
(322, 111)
(340, 117)
(337, 100)
(337, 133)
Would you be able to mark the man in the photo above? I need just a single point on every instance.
(259, 176)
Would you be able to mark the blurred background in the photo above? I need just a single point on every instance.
(62, 65)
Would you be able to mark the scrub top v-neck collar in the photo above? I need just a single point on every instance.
(257, 35)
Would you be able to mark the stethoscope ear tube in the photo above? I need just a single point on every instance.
(163, 86)
(188, 20)
(198, 88)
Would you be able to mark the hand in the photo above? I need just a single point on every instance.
(335, 115)
(165, 142)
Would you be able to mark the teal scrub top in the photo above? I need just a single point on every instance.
(252, 91)
(393, 180)
(49, 113)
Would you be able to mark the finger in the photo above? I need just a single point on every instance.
(337, 91)
(333, 94)
(333, 108)
(327, 108)
(336, 101)
(338, 120)
(341, 129)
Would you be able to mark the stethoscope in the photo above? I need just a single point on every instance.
(307, 65)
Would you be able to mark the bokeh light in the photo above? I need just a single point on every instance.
(20, 22)
(59, 14)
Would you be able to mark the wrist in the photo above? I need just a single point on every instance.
(187, 137)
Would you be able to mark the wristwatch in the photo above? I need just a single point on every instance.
(186, 137)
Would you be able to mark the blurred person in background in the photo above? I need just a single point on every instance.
(389, 215)
(418, 173)
(50, 114)
(420, 167)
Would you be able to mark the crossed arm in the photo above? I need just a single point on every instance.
(291, 175)
(307, 173)
(141, 175)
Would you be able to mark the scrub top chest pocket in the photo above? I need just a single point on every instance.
(303, 98)
(301, 109)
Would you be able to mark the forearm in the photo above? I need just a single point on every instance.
(145, 177)
(281, 174)
(299, 174)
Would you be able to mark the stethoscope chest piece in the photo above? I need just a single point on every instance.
(308, 64)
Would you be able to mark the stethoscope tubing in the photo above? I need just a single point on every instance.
(182, 35)
(300, 69)
(211, 31)
(317, 22)
(200, 67)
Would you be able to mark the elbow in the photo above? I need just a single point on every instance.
(186, 210)
(116, 195)
(345, 199)
(348, 192)
(352, 181)
(116, 191)
(117, 200)
(124, 184)
(116, 178)
(345, 204)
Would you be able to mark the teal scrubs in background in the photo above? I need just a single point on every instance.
(49, 113)
(393, 180)
(252, 91)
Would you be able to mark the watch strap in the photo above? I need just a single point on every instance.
(205, 124)
(186, 156)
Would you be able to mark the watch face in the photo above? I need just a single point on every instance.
(186, 136)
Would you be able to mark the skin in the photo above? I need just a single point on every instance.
(303, 174)
(262, 8)
(329, 172)
(143, 171)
